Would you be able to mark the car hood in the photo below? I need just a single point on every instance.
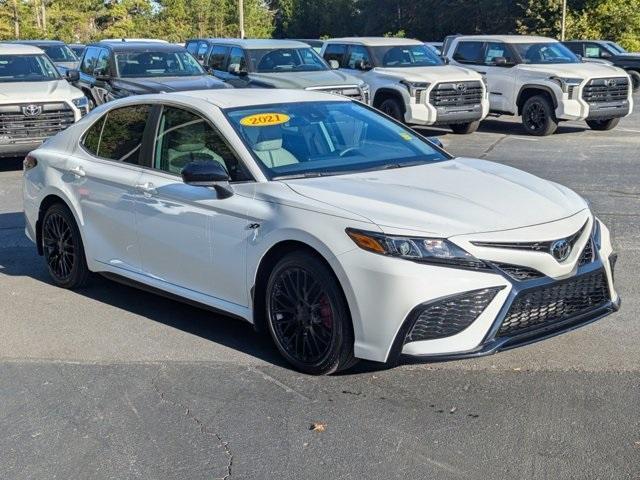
(171, 84)
(575, 70)
(27, 92)
(453, 197)
(296, 80)
(442, 73)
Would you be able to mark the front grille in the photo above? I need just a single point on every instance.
(554, 303)
(456, 94)
(519, 272)
(603, 90)
(19, 127)
(451, 315)
(588, 254)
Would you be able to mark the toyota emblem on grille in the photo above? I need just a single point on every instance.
(32, 110)
(560, 250)
(611, 82)
(460, 87)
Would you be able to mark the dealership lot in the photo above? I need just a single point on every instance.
(111, 382)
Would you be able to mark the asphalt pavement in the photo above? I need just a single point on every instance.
(115, 383)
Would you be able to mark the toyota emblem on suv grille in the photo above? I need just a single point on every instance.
(32, 110)
(560, 249)
(611, 82)
(460, 87)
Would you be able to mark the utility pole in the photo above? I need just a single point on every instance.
(16, 19)
(241, 17)
(564, 19)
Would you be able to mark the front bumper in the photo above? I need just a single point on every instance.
(427, 114)
(18, 149)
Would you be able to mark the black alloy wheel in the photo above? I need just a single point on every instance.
(392, 107)
(538, 116)
(63, 249)
(307, 315)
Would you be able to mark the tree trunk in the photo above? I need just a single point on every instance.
(16, 19)
(43, 15)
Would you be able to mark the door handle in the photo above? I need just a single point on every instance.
(147, 188)
(78, 171)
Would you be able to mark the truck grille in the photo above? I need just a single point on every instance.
(601, 90)
(456, 94)
(451, 315)
(45, 121)
(555, 303)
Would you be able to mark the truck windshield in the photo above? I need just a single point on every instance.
(545, 53)
(59, 53)
(312, 139)
(616, 47)
(157, 64)
(286, 60)
(405, 56)
(27, 68)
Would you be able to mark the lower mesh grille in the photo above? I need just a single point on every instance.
(519, 272)
(451, 315)
(587, 255)
(557, 302)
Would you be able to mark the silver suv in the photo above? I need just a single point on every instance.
(274, 64)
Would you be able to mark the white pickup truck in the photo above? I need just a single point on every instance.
(543, 81)
(411, 83)
(35, 101)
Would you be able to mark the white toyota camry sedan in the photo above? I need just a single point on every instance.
(343, 233)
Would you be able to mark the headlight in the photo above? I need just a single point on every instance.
(415, 88)
(567, 84)
(81, 102)
(418, 249)
(366, 92)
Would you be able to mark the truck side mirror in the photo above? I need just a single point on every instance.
(72, 76)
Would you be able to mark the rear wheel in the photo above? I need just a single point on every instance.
(538, 116)
(393, 108)
(63, 249)
(607, 124)
(635, 79)
(465, 128)
(308, 316)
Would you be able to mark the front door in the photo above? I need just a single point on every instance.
(501, 83)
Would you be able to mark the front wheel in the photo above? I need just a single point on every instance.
(465, 128)
(607, 124)
(538, 116)
(635, 79)
(393, 108)
(308, 316)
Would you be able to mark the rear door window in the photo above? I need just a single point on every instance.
(217, 57)
(469, 52)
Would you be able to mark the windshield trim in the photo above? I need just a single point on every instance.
(270, 177)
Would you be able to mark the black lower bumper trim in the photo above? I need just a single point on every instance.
(599, 111)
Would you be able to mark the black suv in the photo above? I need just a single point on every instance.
(110, 70)
(607, 50)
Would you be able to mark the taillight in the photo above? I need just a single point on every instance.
(29, 162)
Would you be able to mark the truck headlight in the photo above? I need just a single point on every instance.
(567, 84)
(415, 88)
(419, 249)
(366, 92)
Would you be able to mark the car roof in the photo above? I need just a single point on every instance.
(376, 41)
(19, 49)
(506, 38)
(256, 43)
(119, 46)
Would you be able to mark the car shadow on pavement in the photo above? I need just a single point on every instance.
(8, 164)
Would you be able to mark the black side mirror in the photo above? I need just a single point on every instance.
(234, 69)
(72, 76)
(502, 62)
(203, 173)
(362, 65)
(101, 75)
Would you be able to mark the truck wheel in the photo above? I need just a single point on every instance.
(538, 116)
(607, 124)
(635, 79)
(464, 128)
(393, 108)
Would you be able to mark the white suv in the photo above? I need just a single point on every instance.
(542, 80)
(35, 101)
(409, 82)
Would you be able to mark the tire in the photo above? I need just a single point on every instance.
(538, 116)
(606, 124)
(635, 79)
(465, 128)
(317, 338)
(63, 248)
(393, 108)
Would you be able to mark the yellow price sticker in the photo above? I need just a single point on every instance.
(406, 136)
(264, 119)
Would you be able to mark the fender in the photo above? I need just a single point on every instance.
(538, 86)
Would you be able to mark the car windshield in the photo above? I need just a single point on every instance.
(157, 64)
(27, 68)
(405, 56)
(616, 47)
(286, 60)
(545, 52)
(59, 53)
(308, 139)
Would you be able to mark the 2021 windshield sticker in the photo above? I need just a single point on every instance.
(264, 119)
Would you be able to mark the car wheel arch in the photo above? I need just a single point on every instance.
(385, 93)
(47, 201)
(528, 91)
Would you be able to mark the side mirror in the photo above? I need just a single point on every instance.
(445, 60)
(605, 54)
(436, 141)
(203, 173)
(101, 75)
(362, 65)
(72, 76)
(234, 69)
(502, 62)
(334, 64)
